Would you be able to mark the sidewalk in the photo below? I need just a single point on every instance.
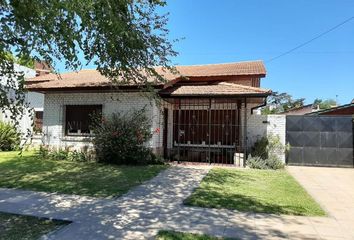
(156, 205)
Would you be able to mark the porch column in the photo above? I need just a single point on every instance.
(245, 133)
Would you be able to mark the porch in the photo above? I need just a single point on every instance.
(207, 129)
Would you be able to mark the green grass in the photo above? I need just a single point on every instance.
(260, 191)
(91, 179)
(172, 235)
(13, 227)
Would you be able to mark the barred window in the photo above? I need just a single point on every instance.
(77, 118)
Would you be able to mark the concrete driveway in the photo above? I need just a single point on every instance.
(333, 189)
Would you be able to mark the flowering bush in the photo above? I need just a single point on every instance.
(120, 138)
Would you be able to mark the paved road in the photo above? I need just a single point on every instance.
(157, 204)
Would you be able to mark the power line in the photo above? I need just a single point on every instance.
(311, 40)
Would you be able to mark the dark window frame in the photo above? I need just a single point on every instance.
(77, 118)
(38, 121)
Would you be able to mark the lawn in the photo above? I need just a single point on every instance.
(260, 191)
(91, 179)
(13, 227)
(172, 235)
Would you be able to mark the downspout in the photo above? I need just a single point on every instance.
(259, 106)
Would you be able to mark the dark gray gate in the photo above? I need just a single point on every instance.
(320, 140)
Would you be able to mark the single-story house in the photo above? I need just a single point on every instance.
(342, 110)
(309, 108)
(203, 115)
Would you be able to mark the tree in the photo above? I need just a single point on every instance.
(280, 102)
(125, 39)
(325, 104)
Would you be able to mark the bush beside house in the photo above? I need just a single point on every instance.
(120, 138)
(9, 137)
(265, 152)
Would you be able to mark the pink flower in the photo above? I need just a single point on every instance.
(157, 130)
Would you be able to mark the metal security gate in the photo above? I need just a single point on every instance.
(320, 140)
(205, 130)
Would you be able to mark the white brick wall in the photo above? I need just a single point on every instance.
(265, 125)
(54, 105)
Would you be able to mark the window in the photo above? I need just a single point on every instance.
(38, 121)
(77, 120)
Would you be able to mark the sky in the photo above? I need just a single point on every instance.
(238, 30)
(221, 31)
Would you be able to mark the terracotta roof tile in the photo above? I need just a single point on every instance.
(92, 78)
(221, 88)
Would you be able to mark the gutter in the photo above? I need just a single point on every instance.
(262, 105)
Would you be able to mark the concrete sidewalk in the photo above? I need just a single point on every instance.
(157, 204)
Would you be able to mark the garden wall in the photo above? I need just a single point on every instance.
(265, 125)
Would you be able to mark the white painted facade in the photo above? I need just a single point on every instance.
(54, 119)
(54, 115)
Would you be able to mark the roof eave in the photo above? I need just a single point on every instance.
(250, 95)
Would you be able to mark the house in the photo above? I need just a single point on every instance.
(343, 110)
(202, 116)
(301, 110)
(35, 103)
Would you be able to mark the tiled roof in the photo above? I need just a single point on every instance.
(92, 78)
(219, 89)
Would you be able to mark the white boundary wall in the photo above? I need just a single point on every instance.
(265, 125)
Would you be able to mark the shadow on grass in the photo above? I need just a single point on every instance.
(91, 179)
(239, 202)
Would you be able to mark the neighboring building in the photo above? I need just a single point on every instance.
(300, 110)
(343, 110)
(203, 116)
(35, 102)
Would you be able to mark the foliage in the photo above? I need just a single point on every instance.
(252, 190)
(264, 153)
(273, 162)
(123, 38)
(26, 227)
(280, 102)
(120, 138)
(256, 162)
(120, 37)
(267, 146)
(172, 235)
(85, 155)
(325, 104)
(32, 172)
(9, 137)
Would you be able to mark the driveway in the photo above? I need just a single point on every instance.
(333, 189)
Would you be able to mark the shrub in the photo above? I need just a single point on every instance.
(9, 137)
(85, 155)
(273, 162)
(43, 152)
(60, 154)
(267, 146)
(256, 162)
(120, 138)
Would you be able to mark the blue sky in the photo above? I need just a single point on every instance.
(235, 30)
(219, 31)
